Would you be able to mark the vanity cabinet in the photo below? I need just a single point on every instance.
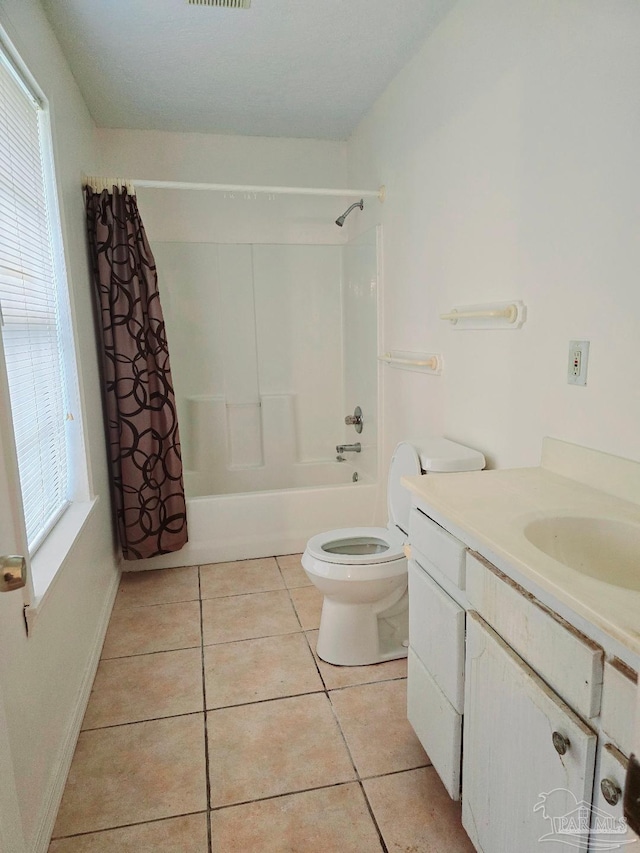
(527, 756)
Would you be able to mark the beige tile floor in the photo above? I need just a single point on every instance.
(213, 727)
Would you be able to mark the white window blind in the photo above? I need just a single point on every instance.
(30, 308)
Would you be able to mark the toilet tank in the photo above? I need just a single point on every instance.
(439, 455)
(430, 455)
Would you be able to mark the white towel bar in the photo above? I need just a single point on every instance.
(424, 362)
(505, 315)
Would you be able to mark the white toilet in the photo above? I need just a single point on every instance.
(362, 571)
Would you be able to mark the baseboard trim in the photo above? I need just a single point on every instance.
(53, 798)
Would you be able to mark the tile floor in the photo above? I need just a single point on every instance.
(213, 728)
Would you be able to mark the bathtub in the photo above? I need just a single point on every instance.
(266, 523)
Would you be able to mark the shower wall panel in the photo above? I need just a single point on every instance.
(298, 328)
(255, 334)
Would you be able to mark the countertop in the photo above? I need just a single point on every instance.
(488, 510)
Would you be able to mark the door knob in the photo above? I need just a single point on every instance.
(13, 572)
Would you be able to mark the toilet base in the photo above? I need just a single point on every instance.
(361, 634)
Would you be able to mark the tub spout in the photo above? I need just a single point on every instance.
(348, 448)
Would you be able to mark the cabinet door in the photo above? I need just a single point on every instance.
(436, 723)
(517, 789)
(436, 634)
(608, 826)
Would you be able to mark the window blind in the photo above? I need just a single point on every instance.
(29, 300)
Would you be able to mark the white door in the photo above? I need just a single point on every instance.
(528, 760)
(12, 628)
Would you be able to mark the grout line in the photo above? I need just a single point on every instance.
(155, 652)
(367, 683)
(285, 794)
(124, 826)
(270, 699)
(125, 607)
(244, 594)
(373, 817)
(397, 772)
(139, 722)
(317, 665)
(242, 639)
(206, 729)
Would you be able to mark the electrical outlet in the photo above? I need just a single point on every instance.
(578, 361)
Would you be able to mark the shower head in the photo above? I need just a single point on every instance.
(340, 220)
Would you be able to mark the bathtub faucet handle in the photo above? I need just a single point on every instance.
(355, 419)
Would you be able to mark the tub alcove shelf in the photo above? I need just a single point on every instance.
(422, 362)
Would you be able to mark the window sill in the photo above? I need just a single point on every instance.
(50, 556)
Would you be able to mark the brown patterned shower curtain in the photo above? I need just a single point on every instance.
(142, 422)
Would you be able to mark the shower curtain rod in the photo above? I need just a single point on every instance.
(101, 183)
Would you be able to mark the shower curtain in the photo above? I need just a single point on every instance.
(142, 423)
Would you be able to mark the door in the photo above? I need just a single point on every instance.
(12, 628)
(528, 760)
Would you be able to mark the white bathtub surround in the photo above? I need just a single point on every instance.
(256, 343)
(489, 510)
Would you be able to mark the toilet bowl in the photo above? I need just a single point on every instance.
(362, 571)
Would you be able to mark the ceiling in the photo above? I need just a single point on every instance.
(300, 68)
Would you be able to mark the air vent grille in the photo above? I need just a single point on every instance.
(229, 4)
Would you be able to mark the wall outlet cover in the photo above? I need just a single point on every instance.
(578, 361)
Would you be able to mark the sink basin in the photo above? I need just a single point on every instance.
(599, 547)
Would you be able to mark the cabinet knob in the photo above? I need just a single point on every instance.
(561, 743)
(610, 791)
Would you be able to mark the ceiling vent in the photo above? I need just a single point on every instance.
(229, 4)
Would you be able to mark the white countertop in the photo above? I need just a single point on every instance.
(490, 510)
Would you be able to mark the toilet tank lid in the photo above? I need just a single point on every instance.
(441, 455)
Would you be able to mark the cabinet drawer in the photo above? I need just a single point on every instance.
(436, 633)
(440, 548)
(569, 662)
(436, 723)
(619, 704)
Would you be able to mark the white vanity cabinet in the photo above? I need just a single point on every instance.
(528, 758)
(522, 717)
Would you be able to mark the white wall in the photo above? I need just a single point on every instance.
(509, 149)
(189, 216)
(43, 674)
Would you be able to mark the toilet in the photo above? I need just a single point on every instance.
(362, 571)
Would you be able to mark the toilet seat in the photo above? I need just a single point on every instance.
(355, 546)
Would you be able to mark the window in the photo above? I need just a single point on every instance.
(34, 305)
